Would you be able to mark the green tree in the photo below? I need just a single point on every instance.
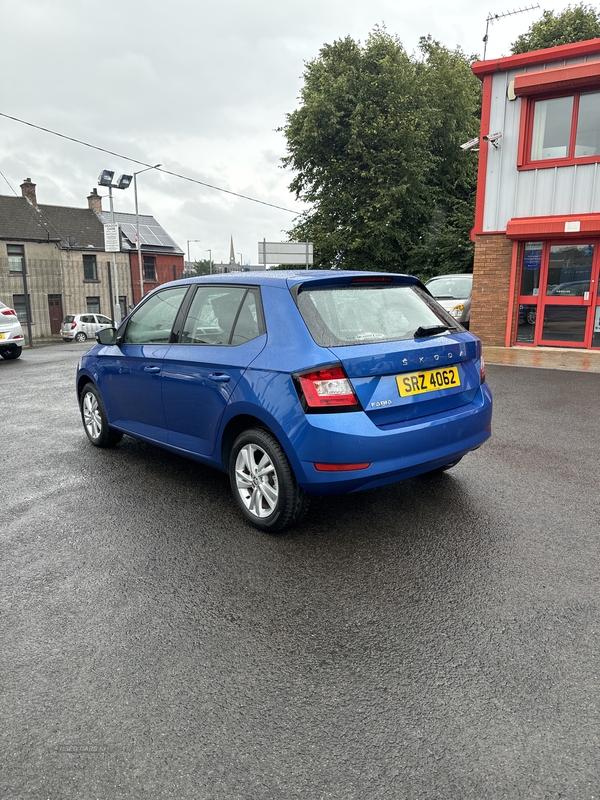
(574, 24)
(203, 267)
(375, 150)
(453, 94)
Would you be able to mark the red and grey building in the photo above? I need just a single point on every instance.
(537, 221)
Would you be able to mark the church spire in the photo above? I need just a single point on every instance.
(231, 253)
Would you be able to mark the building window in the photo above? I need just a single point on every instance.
(149, 268)
(92, 305)
(565, 128)
(90, 268)
(20, 307)
(16, 257)
(123, 304)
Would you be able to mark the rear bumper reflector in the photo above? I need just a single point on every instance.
(340, 467)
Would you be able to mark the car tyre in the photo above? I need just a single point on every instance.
(80, 337)
(95, 421)
(263, 482)
(9, 353)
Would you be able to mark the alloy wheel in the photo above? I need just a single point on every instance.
(91, 415)
(256, 480)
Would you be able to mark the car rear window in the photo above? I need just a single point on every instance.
(69, 318)
(343, 315)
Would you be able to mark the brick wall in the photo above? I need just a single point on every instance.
(491, 288)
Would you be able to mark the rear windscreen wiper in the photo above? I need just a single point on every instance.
(429, 330)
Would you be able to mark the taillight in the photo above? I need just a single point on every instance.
(326, 389)
(73, 325)
(482, 373)
(8, 312)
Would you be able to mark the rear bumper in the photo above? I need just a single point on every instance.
(410, 449)
(17, 340)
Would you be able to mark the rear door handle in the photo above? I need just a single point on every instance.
(219, 377)
(152, 370)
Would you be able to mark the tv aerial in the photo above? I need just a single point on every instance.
(494, 17)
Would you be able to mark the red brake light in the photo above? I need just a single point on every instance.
(327, 388)
(9, 312)
(73, 325)
(482, 374)
(374, 279)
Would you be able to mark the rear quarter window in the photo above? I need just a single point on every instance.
(344, 315)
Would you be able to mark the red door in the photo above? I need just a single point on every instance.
(55, 311)
(559, 304)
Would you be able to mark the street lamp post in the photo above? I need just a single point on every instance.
(138, 244)
(209, 261)
(188, 247)
(105, 179)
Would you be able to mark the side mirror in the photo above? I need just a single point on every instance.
(107, 336)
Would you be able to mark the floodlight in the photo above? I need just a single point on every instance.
(105, 178)
(123, 181)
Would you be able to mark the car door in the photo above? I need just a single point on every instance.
(102, 322)
(87, 323)
(130, 372)
(222, 334)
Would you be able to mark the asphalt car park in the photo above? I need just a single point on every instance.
(436, 638)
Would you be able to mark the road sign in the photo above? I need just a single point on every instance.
(285, 253)
(112, 238)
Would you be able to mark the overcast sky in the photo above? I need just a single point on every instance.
(198, 86)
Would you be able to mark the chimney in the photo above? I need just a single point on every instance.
(28, 191)
(95, 202)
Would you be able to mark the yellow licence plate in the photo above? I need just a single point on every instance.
(1, 336)
(428, 381)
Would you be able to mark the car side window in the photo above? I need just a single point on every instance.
(88, 318)
(247, 325)
(153, 321)
(103, 320)
(222, 315)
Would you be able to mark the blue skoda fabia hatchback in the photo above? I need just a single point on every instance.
(295, 383)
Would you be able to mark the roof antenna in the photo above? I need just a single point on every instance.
(493, 17)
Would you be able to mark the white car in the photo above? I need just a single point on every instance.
(453, 292)
(79, 327)
(11, 333)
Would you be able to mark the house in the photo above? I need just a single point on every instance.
(158, 259)
(537, 220)
(54, 257)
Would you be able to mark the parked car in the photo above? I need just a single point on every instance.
(528, 314)
(79, 327)
(295, 383)
(11, 333)
(570, 289)
(453, 292)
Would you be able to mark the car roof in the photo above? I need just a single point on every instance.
(289, 278)
(451, 275)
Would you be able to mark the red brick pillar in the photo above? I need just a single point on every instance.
(491, 288)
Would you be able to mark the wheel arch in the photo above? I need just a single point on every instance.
(233, 428)
(81, 382)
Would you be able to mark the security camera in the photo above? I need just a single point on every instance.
(470, 144)
(492, 138)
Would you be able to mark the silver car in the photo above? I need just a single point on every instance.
(453, 292)
(79, 327)
(11, 333)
